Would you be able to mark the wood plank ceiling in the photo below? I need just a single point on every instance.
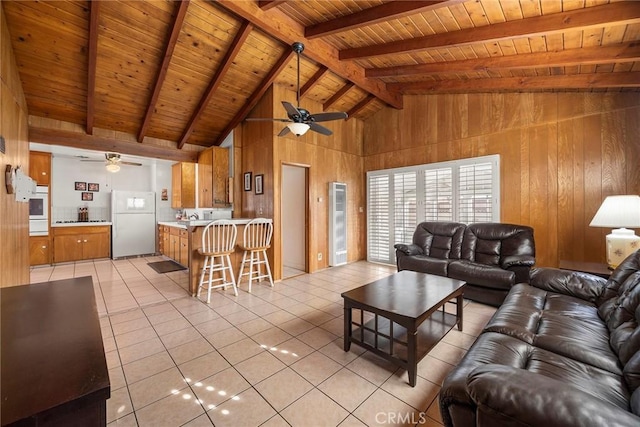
(189, 71)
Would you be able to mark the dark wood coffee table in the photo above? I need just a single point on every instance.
(405, 321)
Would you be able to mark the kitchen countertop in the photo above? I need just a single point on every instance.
(202, 222)
(81, 224)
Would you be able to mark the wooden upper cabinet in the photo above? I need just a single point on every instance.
(213, 175)
(183, 185)
(40, 167)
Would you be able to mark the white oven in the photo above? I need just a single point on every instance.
(39, 212)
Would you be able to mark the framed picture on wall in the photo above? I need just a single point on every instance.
(92, 186)
(247, 181)
(81, 186)
(259, 189)
(87, 197)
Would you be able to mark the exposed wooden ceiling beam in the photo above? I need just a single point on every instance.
(619, 13)
(313, 80)
(575, 81)
(176, 27)
(336, 96)
(360, 105)
(256, 95)
(374, 15)
(225, 64)
(284, 28)
(621, 53)
(90, 142)
(269, 4)
(91, 65)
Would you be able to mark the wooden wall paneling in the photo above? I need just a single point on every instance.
(238, 173)
(578, 247)
(559, 159)
(14, 227)
(614, 164)
(632, 150)
(594, 243)
(566, 190)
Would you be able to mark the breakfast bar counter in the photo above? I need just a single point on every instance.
(181, 240)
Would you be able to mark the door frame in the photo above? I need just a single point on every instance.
(307, 175)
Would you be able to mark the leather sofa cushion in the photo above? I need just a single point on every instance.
(493, 348)
(559, 323)
(423, 264)
(481, 274)
(488, 243)
(440, 239)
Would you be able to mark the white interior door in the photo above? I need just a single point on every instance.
(294, 184)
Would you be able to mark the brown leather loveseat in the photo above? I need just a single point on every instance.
(490, 257)
(562, 351)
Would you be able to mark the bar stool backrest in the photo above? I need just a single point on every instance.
(219, 236)
(257, 234)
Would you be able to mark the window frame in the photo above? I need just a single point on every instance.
(420, 192)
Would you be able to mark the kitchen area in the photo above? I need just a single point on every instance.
(85, 210)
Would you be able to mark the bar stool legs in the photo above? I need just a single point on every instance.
(256, 241)
(256, 259)
(218, 242)
(223, 265)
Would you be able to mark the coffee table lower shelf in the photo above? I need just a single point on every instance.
(393, 344)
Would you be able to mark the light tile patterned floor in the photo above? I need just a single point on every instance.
(270, 358)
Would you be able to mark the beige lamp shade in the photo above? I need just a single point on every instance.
(619, 212)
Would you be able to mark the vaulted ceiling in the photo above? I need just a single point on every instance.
(188, 72)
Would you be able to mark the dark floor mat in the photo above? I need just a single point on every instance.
(165, 266)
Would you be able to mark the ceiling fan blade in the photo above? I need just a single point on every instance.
(264, 119)
(131, 163)
(325, 117)
(284, 131)
(291, 110)
(320, 129)
(85, 160)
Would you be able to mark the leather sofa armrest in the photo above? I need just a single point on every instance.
(409, 249)
(580, 285)
(505, 395)
(517, 261)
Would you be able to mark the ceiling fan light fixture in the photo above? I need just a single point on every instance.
(298, 129)
(113, 168)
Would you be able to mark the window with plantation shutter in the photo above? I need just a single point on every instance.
(475, 193)
(438, 194)
(404, 205)
(378, 215)
(464, 190)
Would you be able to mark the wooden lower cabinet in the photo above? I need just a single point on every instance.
(80, 243)
(39, 250)
(174, 243)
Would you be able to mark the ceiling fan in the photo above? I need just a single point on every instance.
(301, 120)
(113, 162)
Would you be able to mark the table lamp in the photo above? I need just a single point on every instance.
(619, 212)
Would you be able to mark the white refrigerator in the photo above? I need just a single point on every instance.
(133, 214)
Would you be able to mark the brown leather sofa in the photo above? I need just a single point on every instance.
(490, 257)
(562, 351)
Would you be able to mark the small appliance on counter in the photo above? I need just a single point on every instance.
(83, 214)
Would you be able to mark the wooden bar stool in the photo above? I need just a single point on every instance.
(218, 242)
(256, 240)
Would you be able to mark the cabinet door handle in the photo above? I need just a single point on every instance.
(44, 247)
(79, 241)
(85, 241)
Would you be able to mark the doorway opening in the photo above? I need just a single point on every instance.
(294, 220)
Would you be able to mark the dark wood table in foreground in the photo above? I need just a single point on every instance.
(405, 322)
(54, 370)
